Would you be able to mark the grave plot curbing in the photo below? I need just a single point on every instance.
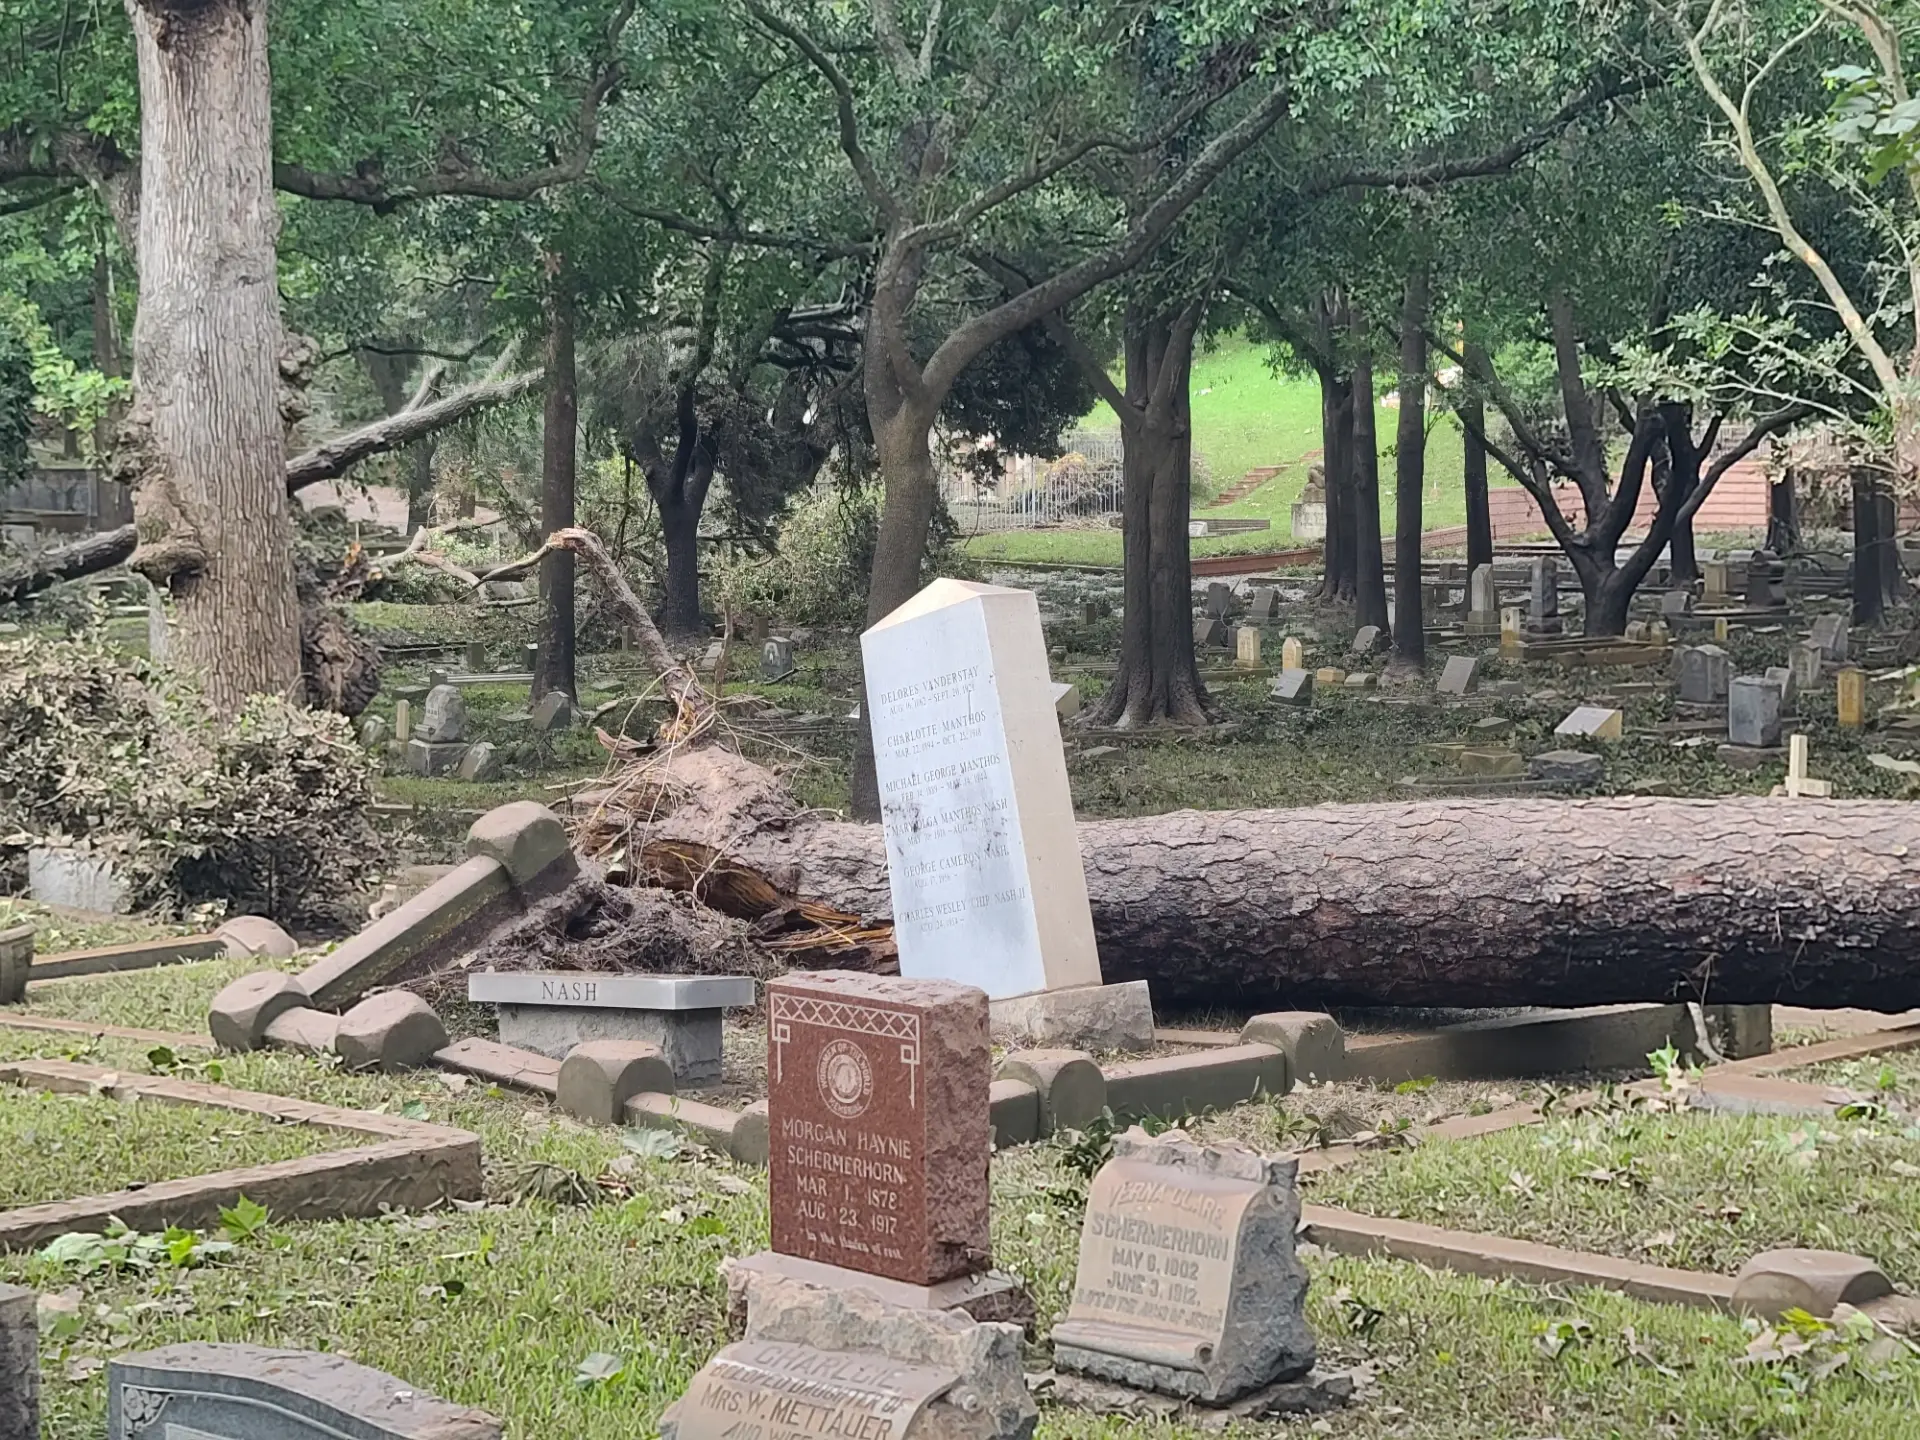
(412, 1165)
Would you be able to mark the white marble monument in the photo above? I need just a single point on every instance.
(982, 854)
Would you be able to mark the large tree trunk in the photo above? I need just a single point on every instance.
(680, 528)
(1370, 580)
(906, 511)
(1473, 414)
(558, 457)
(1438, 903)
(1869, 593)
(679, 488)
(1157, 679)
(1336, 458)
(206, 436)
(1410, 478)
(1783, 526)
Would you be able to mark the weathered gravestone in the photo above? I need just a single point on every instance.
(1265, 604)
(551, 1011)
(16, 962)
(1676, 604)
(1766, 581)
(1543, 598)
(554, 712)
(1714, 576)
(1850, 697)
(1483, 602)
(1592, 722)
(1781, 677)
(1188, 1282)
(481, 763)
(983, 859)
(1293, 655)
(19, 1364)
(1461, 675)
(1567, 767)
(879, 1131)
(402, 721)
(1219, 603)
(1365, 640)
(824, 1364)
(438, 742)
(1294, 687)
(1829, 632)
(1805, 659)
(1246, 653)
(776, 658)
(1209, 634)
(1753, 712)
(1702, 672)
(245, 1392)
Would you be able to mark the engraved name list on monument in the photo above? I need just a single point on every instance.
(974, 798)
(952, 832)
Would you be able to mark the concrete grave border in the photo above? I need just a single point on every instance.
(412, 1166)
(1487, 1254)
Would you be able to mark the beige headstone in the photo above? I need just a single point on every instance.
(1329, 676)
(1293, 655)
(1188, 1282)
(1246, 648)
(982, 854)
(1592, 722)
(402, 721)
(1850, 697)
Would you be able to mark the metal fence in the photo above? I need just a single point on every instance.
(1080, 490)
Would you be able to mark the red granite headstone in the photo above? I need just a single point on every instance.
(881, 1140)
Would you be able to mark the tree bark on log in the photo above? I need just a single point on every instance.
(1430, 903)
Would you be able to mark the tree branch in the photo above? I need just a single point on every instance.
(333, 458)
(369, 186)
(964, 344)
(1041, 171)
(1493, 162)
(881, 198)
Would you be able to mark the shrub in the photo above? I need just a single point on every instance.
(268, 813)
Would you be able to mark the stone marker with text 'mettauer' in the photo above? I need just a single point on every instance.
(880, 1141)
(983, 857)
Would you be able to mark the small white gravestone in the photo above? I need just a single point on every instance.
(982, 854)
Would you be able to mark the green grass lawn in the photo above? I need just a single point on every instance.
(66, 1146)
(1245, 416)
(1693, 1191)
(581, 1297)
(54, 932)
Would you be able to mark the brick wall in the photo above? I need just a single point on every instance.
(1738, 502)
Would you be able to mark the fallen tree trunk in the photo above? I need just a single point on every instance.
(1432, 903)
(67, 562)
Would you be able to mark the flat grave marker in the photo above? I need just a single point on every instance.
(247, 1392)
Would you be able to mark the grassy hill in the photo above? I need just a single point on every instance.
(1245, 416)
